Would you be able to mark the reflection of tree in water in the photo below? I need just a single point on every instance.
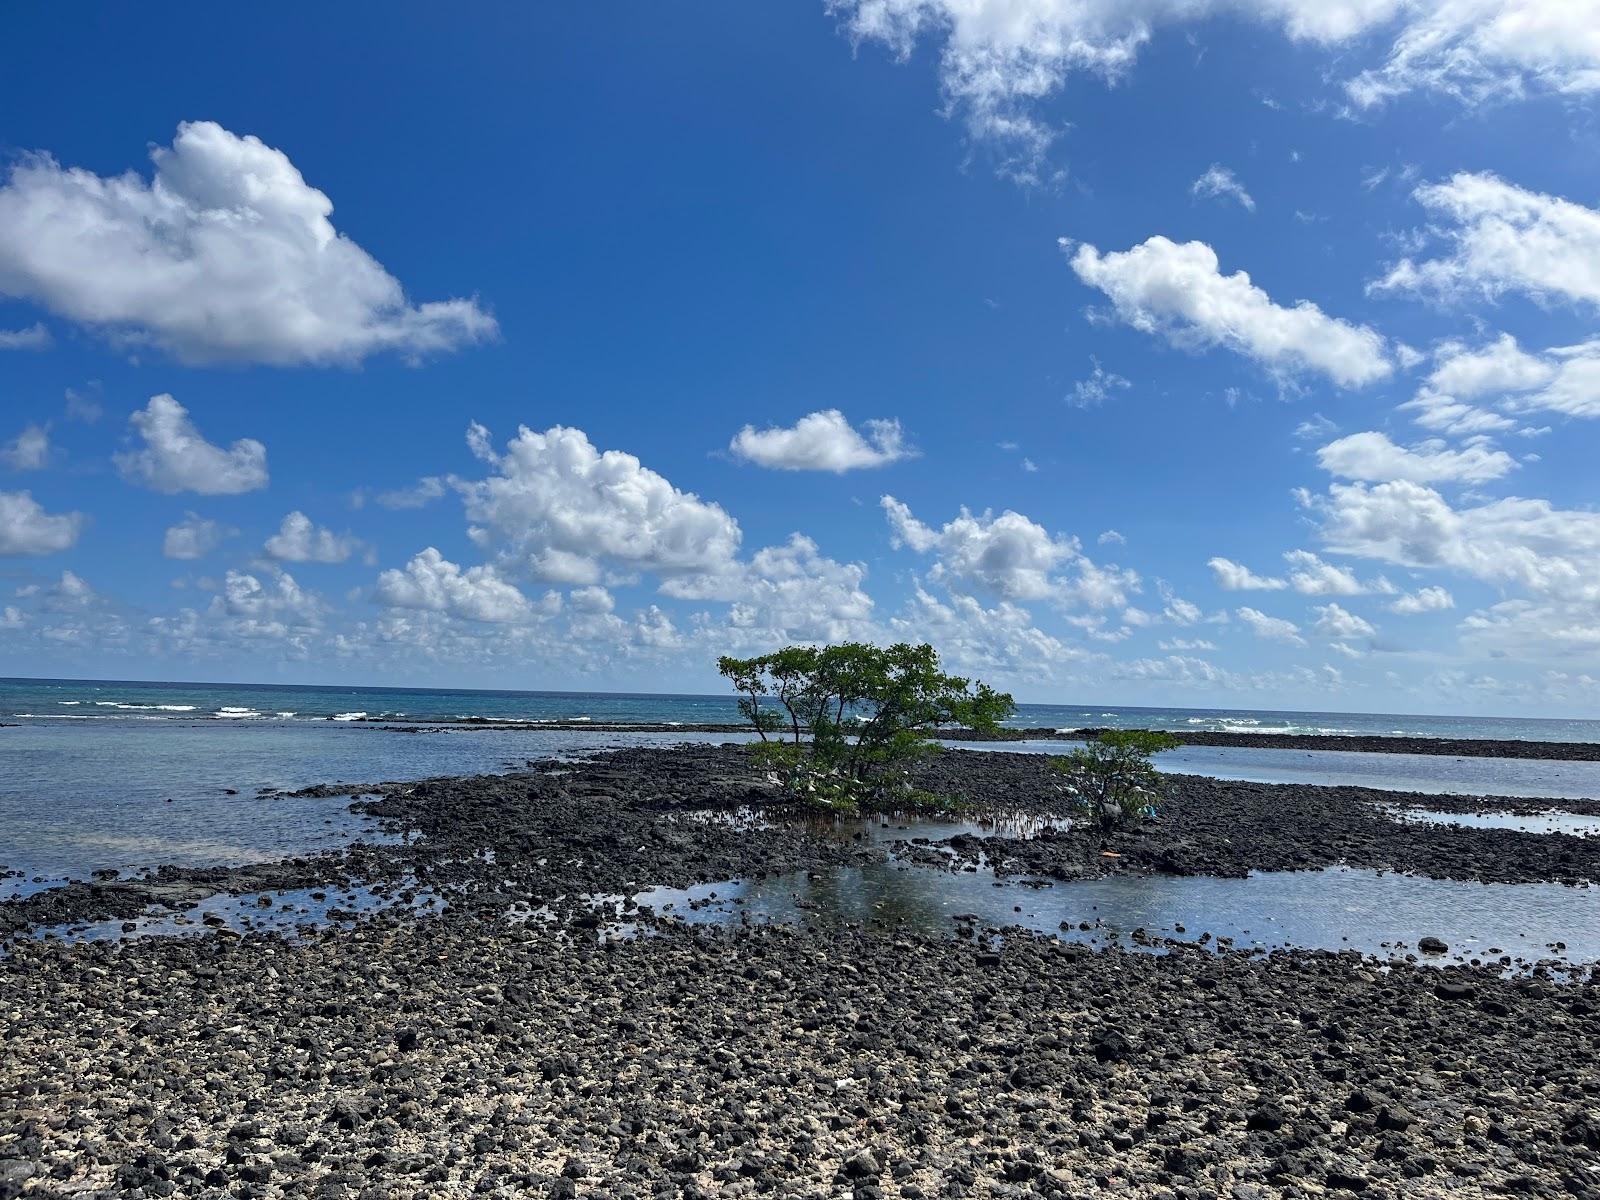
(1337, 909)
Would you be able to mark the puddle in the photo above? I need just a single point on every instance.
(288, 912)
(1378, 913)
(1549, 821)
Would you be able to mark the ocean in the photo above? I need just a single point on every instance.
(35, 700)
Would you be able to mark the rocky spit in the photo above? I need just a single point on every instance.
(516, 1044)
(1353, 743)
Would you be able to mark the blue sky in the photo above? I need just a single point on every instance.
(1222, 353)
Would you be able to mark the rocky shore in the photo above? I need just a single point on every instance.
(514, 1044)
(1353, 743)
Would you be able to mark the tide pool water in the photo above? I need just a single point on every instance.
(122, 794)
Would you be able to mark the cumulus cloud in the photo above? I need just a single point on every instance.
(1310, 576)
(1178, 291)
(176, 458)
(1372, 456)
(1217, 182)
(34, 337)
(1423, 600)
(788, 592)
(822, 441)
(1496, 367)
(982, 640)
(1273, 629)
(1563, 379)
(193, 537)
(1234, 577)
(434, 583)
(299, 540)
(1008, 556)
(226, 254)
(25, 527)
(1531, 543)
(263, 605)
(1338, 623)
(1504, 238)
(28, 451)
(563, 511)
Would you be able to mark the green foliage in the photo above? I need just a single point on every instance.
(841, 724)
(1112, 777)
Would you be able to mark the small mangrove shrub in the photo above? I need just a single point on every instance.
(1112, 777)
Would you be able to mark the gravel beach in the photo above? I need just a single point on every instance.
(542, 1035)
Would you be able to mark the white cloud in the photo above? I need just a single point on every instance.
(1564, 379)
(176, 458)
(905, 529)
(28, 451)
(34, 337)
(1219, 181)
(1372, 456)
(1550, 551)
(1535, 631)
(1314, 428)
(822, 441)
(250, 608)
(592, 600)
(299, 540)
(1008, 556)
(982, 640)
(790, 592)
(1496, 367)
(1505, 238)
(25, 527)
(1111, 537)
(1423, 600)
(563, 511)
(1336, 622)
(1477, 50)
(794, 593)
(1273, 629)
(1177, 290)
(225, 255)
(193, 537)
(1445, 414)
(1233, 577)
(418, 495)
(1000, 58)
(435, 584)
(1180, 611)
(1313, 577)
(1192, 644)
(1098, 388)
